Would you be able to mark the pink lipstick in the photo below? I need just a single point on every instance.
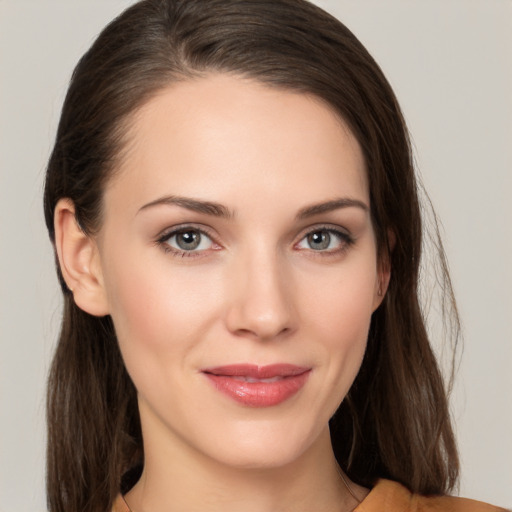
(258, 386)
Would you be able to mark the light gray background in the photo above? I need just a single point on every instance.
(450, 62)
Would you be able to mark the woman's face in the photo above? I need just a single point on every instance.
(239, 264)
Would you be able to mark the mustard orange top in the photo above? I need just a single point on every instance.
(388, 496)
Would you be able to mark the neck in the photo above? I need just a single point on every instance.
(192, 482)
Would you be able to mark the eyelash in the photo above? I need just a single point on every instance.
(163, 241)
(345, 238)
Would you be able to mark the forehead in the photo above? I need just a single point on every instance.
(228, 137)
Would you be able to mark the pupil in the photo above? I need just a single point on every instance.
(319, 240)
(188, 240)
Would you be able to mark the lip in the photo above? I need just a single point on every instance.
(258, 386)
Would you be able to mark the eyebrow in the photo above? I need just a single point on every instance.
(196, 205)
(219, 210)
(329, 206)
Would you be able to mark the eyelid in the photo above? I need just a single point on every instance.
(164, 235)
(347, 239)
(343, 233)
(327, 226)
(179, 228)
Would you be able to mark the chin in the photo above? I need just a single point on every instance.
(267, 446)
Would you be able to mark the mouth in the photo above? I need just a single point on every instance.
(258, 386)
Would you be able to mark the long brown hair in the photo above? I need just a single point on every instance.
(395, 422)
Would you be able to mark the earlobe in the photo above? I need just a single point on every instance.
(383, 277)
(79, 261)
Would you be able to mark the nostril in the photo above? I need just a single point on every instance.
(259, 304)
(263, 332)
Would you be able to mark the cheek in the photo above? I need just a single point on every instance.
(336, 311)
(341, 304)
(339, 313)
(158, 312)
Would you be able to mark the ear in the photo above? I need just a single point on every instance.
(79, 261)
(384, 272)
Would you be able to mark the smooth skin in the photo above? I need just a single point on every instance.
(236, 230)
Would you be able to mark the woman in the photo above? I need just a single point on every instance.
(235, 215)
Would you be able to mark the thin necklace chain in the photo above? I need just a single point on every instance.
(340, 473)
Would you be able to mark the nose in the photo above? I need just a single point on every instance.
(260, 298)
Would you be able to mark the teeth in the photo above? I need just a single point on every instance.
(251, 379)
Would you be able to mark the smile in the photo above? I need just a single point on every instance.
(258, 386)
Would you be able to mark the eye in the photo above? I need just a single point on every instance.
(186, 240)
(325, 240)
